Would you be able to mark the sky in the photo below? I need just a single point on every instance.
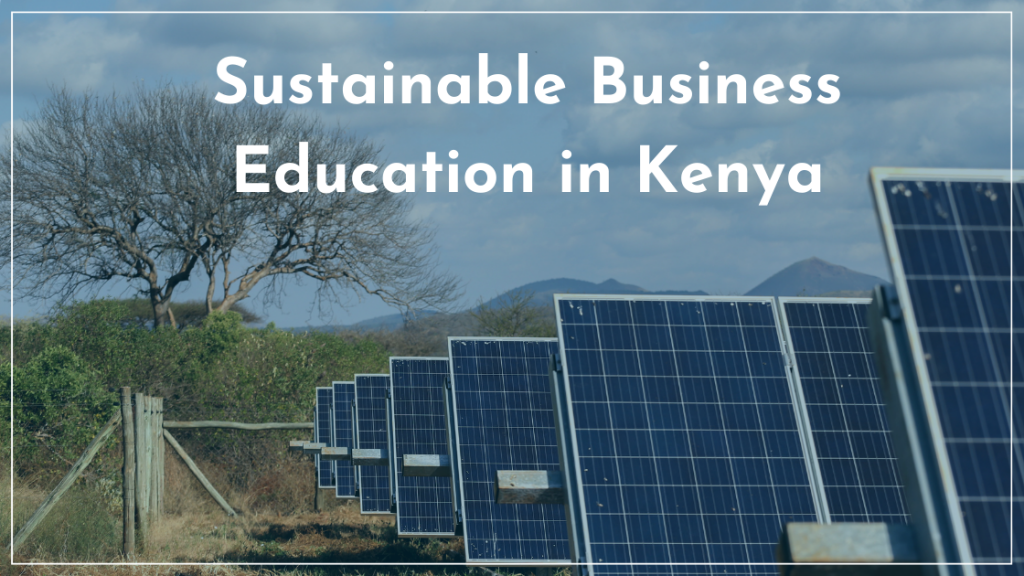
(920, 90)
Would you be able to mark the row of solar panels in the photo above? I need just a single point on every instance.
(688, 430)
(684, 413)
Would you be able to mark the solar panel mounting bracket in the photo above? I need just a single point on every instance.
(529, 487)
(335, 453)
(427, 465)
(369, 457)
(847, 549)
(313, 447)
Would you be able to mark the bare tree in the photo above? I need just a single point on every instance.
(142, 188)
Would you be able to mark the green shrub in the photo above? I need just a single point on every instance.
(61, 403)
(71, 365)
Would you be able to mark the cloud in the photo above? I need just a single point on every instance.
(925, 90)
(85, 47)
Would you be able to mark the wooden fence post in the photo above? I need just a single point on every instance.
(159, 439)
(66, 482)
(155, 434)
(142, 462)
(128, 472)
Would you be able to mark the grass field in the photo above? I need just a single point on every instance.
(86, 527)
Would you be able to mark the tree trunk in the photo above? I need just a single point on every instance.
(229, 301)
(211, 286)
(162, 313)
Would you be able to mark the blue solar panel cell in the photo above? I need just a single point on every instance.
(423, 504)
(344, 471)
(835, 368)
(949, 239)
(504, 420)
(684, 426)
(324, 403)
(371, 409)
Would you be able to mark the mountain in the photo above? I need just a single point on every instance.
(815, 277)
(811, 277)
(387, 321)
(544, 290)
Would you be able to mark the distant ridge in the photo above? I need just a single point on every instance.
(815, 277)
(810, 277)
(544, 290)
(543, 295)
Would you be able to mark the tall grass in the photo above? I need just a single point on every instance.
(81, 527)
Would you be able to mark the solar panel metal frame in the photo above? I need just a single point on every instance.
(457, 476)
(392, 469)
(337, 440)
(791, 351)
(387, 444)
(566, 422)
(453, 454)
(329, 441)
(395, 456)
(877, 177)
(355, 434)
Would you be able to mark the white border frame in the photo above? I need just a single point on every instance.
(931, 412)
(393, 457)
(385, 12)
(802, 430)
(458, 450)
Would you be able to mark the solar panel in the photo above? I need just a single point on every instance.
(504, 420)
(344, 471)
(689, 448)
(949, 239)
(423, 504)
(372, 433)
(324, 402)
(835, 369)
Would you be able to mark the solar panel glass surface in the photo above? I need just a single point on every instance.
(836, 371)
(344, 471)
(424, 504)
(372, 433)
(324, 469)
(688, 443)
(949, 239)
(504, 420)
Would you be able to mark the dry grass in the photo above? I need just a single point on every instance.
(275, 524)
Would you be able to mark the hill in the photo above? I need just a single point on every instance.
(810, 277)
(814, 277)
(544, 290)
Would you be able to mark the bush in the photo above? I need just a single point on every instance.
(69, 369)
(60, 404)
